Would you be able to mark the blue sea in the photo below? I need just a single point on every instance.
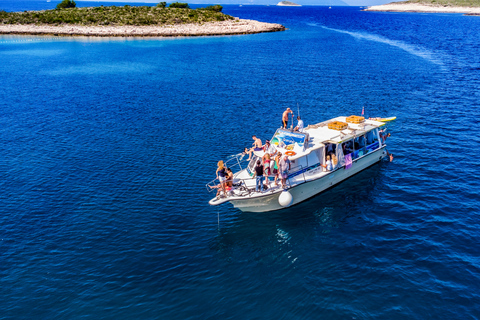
(107, 144)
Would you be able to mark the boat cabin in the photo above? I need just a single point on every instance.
(309, 149)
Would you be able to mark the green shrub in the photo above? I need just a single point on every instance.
(216, 8)
(66, 4)
(126, 15)
(179, 5)
(162, 5)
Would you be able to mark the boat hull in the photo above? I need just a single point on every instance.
(303, 191)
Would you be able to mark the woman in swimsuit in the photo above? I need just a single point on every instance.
(275, 167)
(221, 174)
(266, 166)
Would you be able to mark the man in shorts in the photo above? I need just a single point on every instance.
(257, 146)
(285, 118)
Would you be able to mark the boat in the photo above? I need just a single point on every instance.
(354, 141)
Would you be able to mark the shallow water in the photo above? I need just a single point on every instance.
(107, 145)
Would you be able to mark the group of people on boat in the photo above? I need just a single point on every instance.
(272, 167)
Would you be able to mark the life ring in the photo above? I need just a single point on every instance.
(290, 153)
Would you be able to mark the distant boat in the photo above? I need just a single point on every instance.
(288, 4)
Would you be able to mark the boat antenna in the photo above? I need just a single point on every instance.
(291, 125)
(298, 109)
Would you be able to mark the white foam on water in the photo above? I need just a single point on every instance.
(415, 50)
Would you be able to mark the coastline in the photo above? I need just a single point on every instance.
(231, 27)
(416, 7)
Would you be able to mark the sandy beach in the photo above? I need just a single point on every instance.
(231, 27)
(415, 7)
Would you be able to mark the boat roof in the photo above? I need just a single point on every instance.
(319, 134)
(322, 133)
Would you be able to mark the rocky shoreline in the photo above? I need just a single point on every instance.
(230, 27)
(416, 7)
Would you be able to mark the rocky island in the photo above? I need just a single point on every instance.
(130, 21)
(469, 7)
(288, 4)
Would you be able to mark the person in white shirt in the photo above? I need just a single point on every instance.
(299, 126)
(328, 164)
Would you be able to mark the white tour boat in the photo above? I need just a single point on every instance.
(354, 141)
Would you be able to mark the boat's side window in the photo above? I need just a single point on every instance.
(360, 149)
(370, 138)
(347, 147)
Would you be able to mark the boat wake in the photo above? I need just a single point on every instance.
(415, 50)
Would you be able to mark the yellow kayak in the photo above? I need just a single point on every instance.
(384, 119)
(388, 119)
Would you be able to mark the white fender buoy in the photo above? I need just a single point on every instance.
(285, 199)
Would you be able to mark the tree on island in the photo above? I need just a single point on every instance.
(162, 4)
(179, 5)
(216, 8)
(66, 4)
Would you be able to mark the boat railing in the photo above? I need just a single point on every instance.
(298, 176)
(236, 161)
(247, 186)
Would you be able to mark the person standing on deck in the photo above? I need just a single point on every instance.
(283, 168)
(285, 117)
(258, 174)
(221, 175)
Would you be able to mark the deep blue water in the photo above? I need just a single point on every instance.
(107, 144)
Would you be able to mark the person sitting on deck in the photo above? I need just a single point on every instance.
(229, 181)
(269, 148)
(300, 125)
(257, 146)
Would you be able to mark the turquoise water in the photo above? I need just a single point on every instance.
(107, 145)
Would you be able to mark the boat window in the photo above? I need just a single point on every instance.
(347, 147)
(251, 164)
(372, 141)
(340, 156)
(359, 146)
(370, 137)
